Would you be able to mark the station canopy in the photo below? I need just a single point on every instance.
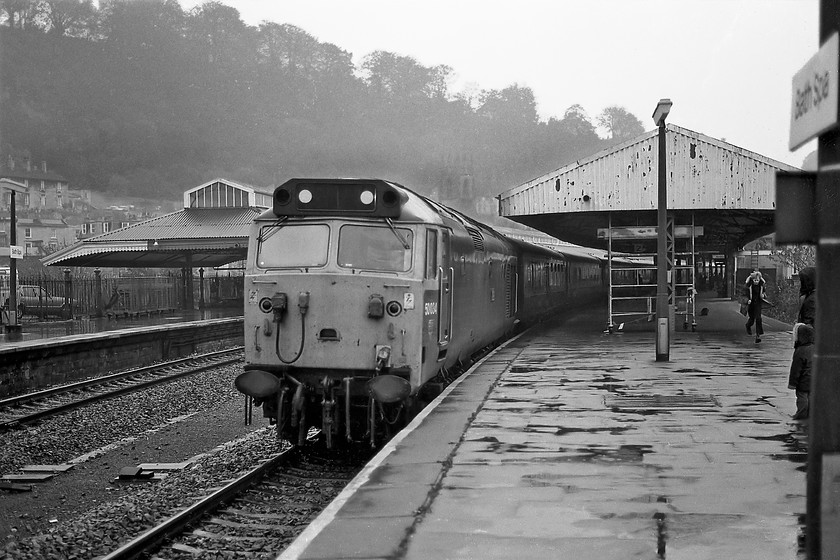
(211, 230)
(727, 191)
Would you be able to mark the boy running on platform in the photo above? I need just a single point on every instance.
(800, 369)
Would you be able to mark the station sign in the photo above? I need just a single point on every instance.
(16, 251)
(814, 96)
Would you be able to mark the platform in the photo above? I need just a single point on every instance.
(43, 330)
(568, 442)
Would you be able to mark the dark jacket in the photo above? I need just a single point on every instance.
(808, 295)
(803, 360)
(755, 295)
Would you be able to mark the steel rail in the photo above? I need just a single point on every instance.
(175, 524)
(28, 397)
(110, 393)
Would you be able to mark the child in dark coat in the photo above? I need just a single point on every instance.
(800, 369)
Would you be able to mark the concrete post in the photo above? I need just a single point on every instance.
(824, 428)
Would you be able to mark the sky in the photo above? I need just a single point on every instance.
(727, 65)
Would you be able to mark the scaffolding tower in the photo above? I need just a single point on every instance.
(632, 273)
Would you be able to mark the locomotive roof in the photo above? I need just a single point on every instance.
(412, 206)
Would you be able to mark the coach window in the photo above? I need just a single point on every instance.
(296, 246)
(431, 253)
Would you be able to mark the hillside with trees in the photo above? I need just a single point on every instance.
(142, 98)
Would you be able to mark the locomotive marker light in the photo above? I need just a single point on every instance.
(15, 252)
(305, 196)
(663, 327)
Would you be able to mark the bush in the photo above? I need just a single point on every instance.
(785, 296)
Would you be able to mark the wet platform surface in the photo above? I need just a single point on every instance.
(572, 443)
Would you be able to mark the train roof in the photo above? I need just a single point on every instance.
(569, 253)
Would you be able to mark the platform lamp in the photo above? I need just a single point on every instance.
(663, 327)
(14, 253)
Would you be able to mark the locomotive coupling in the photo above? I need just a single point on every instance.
(383, 357)
(376, 306)
(279, 303)
(303, 302)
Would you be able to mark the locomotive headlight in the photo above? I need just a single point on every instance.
(366, 197)
(305, 196)
(393, 308)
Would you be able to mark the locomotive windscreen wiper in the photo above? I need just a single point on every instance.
(271, 230)
(405, 243)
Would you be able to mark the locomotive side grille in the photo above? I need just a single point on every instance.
(478, 240)
(508, 271)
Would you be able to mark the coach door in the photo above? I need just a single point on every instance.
(445, 280)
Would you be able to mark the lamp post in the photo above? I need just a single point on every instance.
(663, 327)
(14, 187)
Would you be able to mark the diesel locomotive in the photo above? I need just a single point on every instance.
(359, 292)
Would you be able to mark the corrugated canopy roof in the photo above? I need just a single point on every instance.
(204, 237)
(726, 189)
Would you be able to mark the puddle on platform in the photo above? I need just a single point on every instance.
(621, 454)
(546, 480)
(612, 431)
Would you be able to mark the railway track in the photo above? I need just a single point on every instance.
(255, 516)
(28, 408)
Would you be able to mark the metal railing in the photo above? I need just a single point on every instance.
(98, 295)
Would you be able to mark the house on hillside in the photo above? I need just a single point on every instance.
(46, 190)
(39, 236)
(92, 223)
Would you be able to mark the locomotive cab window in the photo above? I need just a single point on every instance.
(375, 248)
(294, 246)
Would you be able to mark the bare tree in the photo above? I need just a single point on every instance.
(795, 256)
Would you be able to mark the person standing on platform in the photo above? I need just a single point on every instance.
(755, 299)
(800, 368)
(808, 296)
